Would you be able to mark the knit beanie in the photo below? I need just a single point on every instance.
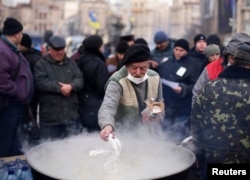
(183, 43)
(122, 47)
(213, 39)
(26, 41)
(242, 54)
(160, 37)
(211, 50)
(93, 42)
(141, 41)
(199, 37)
(12, 26)
(136, 53)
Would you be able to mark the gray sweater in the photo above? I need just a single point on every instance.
(124, 100)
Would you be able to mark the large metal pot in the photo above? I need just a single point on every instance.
(140, 158)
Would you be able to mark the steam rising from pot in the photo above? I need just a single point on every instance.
(145, 154)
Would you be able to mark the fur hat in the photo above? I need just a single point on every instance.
(136, 53)
(160, 37)
(12, 26)
(199, 37)
(56, 42)
(26, 41)
(122, 47)
(93, 42)
(212, 49)
(183, 43)
(242, 54)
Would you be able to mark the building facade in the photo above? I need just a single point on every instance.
(184, 19)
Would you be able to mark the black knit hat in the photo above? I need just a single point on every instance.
(129, 37)
(183, 43)
(213, 39)
(12, 26)
(122, 47)
(57, 42)
(199, 37)
(242, 54)
(26, 41)
(141, 41)
(136, 53)
(93, 42)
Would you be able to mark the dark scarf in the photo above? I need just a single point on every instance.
(235, 72)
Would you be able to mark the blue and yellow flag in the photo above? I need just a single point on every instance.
(93, 22)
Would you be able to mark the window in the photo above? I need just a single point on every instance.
(247, 2)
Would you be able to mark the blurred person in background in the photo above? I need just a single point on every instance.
(16, 87)
(215, 39)
(130, 39)
(180, 70)
(29, 52)
(107, 50)
(75, 55)
(163, 49)
(58, 79)
(32, 55)
(127, 90)
(141, 41)
(114, 63)
(29, 124)
(212, 52)
(197, 52)
(220, 115)
(95, 73)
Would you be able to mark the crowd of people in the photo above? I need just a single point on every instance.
(205, 90)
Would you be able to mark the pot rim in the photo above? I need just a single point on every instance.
(42, 171)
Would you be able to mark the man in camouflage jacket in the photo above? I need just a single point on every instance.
(220, 118)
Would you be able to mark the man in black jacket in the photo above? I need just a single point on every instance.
(180, 71)
(95, 72)
(58, 79)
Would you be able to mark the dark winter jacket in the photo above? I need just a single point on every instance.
(32, 55)
(200, 60)
(21, 89)
(178, 104)
(161, 55)
(56, 109)
(95, 72)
